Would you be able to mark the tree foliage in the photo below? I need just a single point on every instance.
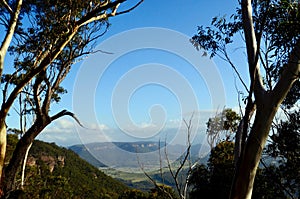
(214, 180)
(48, 38)
(277, 176)
(270, 30)
(285, 149)
(72, 178)
(222, 126)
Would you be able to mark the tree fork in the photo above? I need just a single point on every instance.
(246, 171)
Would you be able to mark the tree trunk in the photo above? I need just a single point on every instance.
(243, 186)
(9, 34)
(267, 105)
(20, 152)
(2, 151)
(24, 166)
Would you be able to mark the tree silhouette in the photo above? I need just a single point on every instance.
(270, 30)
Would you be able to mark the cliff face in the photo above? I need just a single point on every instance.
(50, 161)
(57, 172)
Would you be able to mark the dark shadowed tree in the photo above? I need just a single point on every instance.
(271, 32)
(285, 149)
(214, 180)
(45, 38)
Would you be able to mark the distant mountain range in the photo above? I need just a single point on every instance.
(133, 154)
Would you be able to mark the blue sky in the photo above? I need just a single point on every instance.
(145, 93)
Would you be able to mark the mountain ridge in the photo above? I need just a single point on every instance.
(127, 154)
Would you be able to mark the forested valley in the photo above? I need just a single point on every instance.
(159, 81)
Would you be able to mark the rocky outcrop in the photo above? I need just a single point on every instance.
(61, 160)
(50, 161)
(31, 161)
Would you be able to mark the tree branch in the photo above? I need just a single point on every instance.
(11, 12)
(98, 13)
(235, 70)
(289, 75)
(130, 9)
(152, 180)
(9, 34)
(90, 17)
(252, 52)
(36, 97)
(66, 113)
(43, 64)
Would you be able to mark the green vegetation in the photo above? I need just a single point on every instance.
(277, 176)
(214, 180)
(160, 192)
(86, 155)
(71, 176)
(270, 31)
(44, 40)
(57, 172)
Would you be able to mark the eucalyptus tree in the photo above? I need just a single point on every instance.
(222, 127)
(271, 32)
(285, 149)
(45, 38)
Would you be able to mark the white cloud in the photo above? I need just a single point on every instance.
(67, 132)
(60, 126)
(94, 126)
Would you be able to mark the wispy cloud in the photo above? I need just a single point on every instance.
(67, 132)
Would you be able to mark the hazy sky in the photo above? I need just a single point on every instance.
(153, 79)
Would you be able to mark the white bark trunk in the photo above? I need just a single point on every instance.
(9, 35)
(267, 106)
(246, 172)
(24, 166)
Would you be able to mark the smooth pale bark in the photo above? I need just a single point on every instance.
(255, 143)
(267, 103)
(24, 166)
(14, 94)
(267, 106)
(3, 50)
(7, 180)
(10, 32)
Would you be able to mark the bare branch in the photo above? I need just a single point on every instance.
(11, 12)
(160, 161)
(153, 181)
(180, 187)
(130, 9)
(66, 113)
(98, 13)
(36, 95)
(169, 165)
(235, 70)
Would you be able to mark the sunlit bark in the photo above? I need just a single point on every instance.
(267, 104)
